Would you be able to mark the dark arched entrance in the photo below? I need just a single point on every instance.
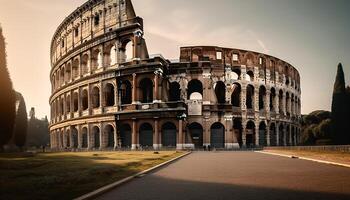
(250, 134)
(196, 134)
(146, 135)
(217, 135)
(125, 136)
(169, 135)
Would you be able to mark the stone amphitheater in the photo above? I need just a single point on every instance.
(109, 93)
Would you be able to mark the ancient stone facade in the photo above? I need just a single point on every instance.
(108, 93)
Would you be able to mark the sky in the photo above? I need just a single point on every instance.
(312, 35)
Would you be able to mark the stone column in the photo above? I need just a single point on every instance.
(180, 141)
(134, 88)
(257, 135)
(156, 85)
(134, 143)
(284, 135)
(277, 135)
(267, 103)
(71, 138)
(156, 141)
(103, 138)
(290, 135)
(116, 142)
(244, 136)
(243, 97)
(268, 136)
(90, 138)
(277, 103)
(256, 98)
(80, 138)
(284, 106)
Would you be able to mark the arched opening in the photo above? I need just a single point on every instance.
(146, 86)
(96, 135)
(220, 91)
(293, 142)
(288, 134)
(280, 102)
(250, 76)
(126, 51)
(95, 97)
(262, 134)
(169, 135)
(75, 137)
(174, 91)
(250, 97)
(84, 134)
(146, 135)
(236, 95)
(196, 134)
(126, 92)
(281, 135)
(236, 74)
(109, 133)
(292, 105)
(109, 95)
(272, 100)
(96, 59)
(113, 56)
(194, 86)
(85, 100)
(62, 76)
(85, 64)
(250, 135)
(262, 97)
(75, 102)
(237, 126)
(68, 138)
(68, 104)
(68, 73)
(273, 138)
(217, 135)
(125, 136)
(61, 107)
(75, 68)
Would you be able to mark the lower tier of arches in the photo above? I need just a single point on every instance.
(176, 134)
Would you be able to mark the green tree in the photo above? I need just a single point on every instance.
(21, 123)
(339, 111)
(38, 131)
(8, 98)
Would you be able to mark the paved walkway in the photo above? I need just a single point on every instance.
(238, 175)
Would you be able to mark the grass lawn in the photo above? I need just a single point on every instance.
(69, 175)
(331, 156)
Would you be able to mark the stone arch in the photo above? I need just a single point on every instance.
(169, 135)
(236, 95)
(217, 135)
(146, 135)
(109, 135)
(96, 59)
(109, 94)
(238, 129)
(67, 138)
(250, 76)
(126, 92)
(195, 131)
(236, 73)
(250, 134)
(281, 134)
(174, 91)
(75, 68)
(75, 101)
(250, 97)
(68, 72)
(273, 137)
(95, 97)
(84, 139)
(220, 92)
(62, 71)
(262, 134)
(146, 90)
(262, 97)
(280, 100)
(85, 64)
(95, 132)
(273, 99)
(194, 85)
(85, 100)
(68, 102)
(113, 55)
(287, 103)
(74, 137)
(126, 50)
(125, 135)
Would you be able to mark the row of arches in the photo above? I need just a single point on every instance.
(248, 135)
(89, 62)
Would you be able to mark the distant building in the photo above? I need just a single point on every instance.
(109, 93)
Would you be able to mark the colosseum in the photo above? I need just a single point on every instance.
(109, 93)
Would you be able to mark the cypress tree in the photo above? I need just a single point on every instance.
(7, 100)
(21, 123)
(339, 116)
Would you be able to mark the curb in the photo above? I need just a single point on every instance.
(304, 158)
(111, 186)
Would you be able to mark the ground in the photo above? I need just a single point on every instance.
(238, 175)
(68, 175)
(331, 156)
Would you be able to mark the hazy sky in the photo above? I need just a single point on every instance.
(312, 35)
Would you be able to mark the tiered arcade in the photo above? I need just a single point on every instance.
(108, 93)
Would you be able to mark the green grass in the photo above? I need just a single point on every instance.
(69, 175)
